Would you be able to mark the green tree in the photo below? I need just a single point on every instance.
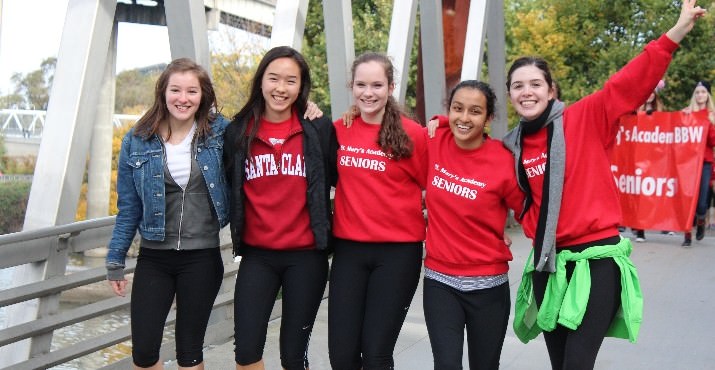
(12, 100)
(587, 41)
(134, 91)
(34, 86)
(13, 202)
(232, 74)
(371, 27)
(3, 151)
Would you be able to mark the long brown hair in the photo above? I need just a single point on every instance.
(392, 138)
(148, 125)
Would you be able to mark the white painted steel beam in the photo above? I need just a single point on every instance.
(99, 170)
(399, 46)
(339, 45)
(496, 58)
(63, 152)
(188, 37)
(289, 23)
(474, 42)
(433, 70)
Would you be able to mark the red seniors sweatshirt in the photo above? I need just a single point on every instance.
(590, 208)
(378, 199)
(468, 192)
(275, 189)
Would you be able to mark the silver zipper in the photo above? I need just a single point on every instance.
(181, 217)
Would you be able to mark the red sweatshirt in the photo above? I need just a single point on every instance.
(275, 189)
(468, 192)
(378, 199)
(590, 208)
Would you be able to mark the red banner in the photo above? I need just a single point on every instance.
(656, 162)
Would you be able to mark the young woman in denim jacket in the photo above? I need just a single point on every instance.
(172, 188)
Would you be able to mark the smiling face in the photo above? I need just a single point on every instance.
(529, 92)
(701, 96)
(468, 116)
(371, 89)
(280, 86)
(183, 97)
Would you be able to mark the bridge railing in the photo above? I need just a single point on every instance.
(22, 122)
(28, 123)
(41, 245)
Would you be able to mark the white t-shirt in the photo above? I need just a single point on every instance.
(178, 158)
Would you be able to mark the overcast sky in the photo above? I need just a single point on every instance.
(31, 32)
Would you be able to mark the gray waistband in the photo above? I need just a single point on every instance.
(467, 283)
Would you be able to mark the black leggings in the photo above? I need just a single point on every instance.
(371, 288)
(484, 313)
(577, 349)
(262, 272)
(194, 277)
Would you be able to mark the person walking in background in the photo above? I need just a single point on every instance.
(702, 99)
(171, 187)
(378, 222)
(581, 274)
(471, 184)
(652, 104)
(280, 169)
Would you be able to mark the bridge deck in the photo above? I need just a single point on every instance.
(678, 330)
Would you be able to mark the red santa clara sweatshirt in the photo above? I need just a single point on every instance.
(275, 189)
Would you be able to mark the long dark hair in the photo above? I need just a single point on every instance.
(148, 125)
(392, 138)
(256, 105)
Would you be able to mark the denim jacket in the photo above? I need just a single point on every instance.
(140, 188)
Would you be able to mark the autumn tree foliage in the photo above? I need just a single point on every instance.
(587, 41)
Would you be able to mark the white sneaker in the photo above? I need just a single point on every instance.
(640, 240)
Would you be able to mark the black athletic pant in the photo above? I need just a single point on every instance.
(577, 349)
(484, 313)
(371, 288)
(262, 272)
(194, 277)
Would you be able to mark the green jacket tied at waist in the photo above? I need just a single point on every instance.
(565, 301)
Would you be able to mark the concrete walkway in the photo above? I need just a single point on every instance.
(678, 330)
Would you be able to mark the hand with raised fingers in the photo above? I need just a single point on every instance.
(689, 13)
